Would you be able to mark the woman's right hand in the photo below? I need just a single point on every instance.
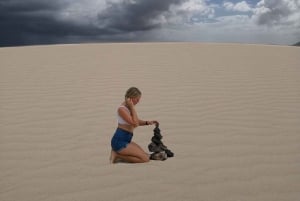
(129, 103)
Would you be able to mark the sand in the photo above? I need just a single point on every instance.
(229, 112)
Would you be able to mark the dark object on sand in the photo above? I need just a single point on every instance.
(160, 151)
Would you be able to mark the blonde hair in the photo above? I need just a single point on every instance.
(133, 92)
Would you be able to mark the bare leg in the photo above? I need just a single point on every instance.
(142, 150)
(113, 156)
(130, 159)
(133, 153)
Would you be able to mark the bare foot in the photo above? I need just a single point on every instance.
(113, 156)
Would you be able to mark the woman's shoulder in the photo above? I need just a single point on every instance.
(123, 106)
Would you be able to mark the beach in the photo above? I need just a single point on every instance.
(229, 112)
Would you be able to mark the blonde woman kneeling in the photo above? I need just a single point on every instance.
(122, 147)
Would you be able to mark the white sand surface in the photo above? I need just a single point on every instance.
(229, 112)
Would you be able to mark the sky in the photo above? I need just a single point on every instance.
(33, 22)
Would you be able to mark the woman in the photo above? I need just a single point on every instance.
(122, 146)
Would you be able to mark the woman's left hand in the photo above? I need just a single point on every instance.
(152, 122)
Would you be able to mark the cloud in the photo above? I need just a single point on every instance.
(131, 15)
(193, 12)
(278, 12)
(36, 22)
(26, 22)
(42, 21)
(242, 6)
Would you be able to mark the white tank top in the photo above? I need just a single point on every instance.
(120, 119)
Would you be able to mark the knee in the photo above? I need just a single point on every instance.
(145, 159)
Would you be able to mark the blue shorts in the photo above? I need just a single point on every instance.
(121, 139)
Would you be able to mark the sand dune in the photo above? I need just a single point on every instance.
(229, 112)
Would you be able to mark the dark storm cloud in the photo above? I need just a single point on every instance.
(25, 22)
(138, 16)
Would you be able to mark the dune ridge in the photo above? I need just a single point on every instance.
(229, 112)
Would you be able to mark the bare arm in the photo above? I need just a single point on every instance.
(144, 123)
(131, 118)
(134, 117)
